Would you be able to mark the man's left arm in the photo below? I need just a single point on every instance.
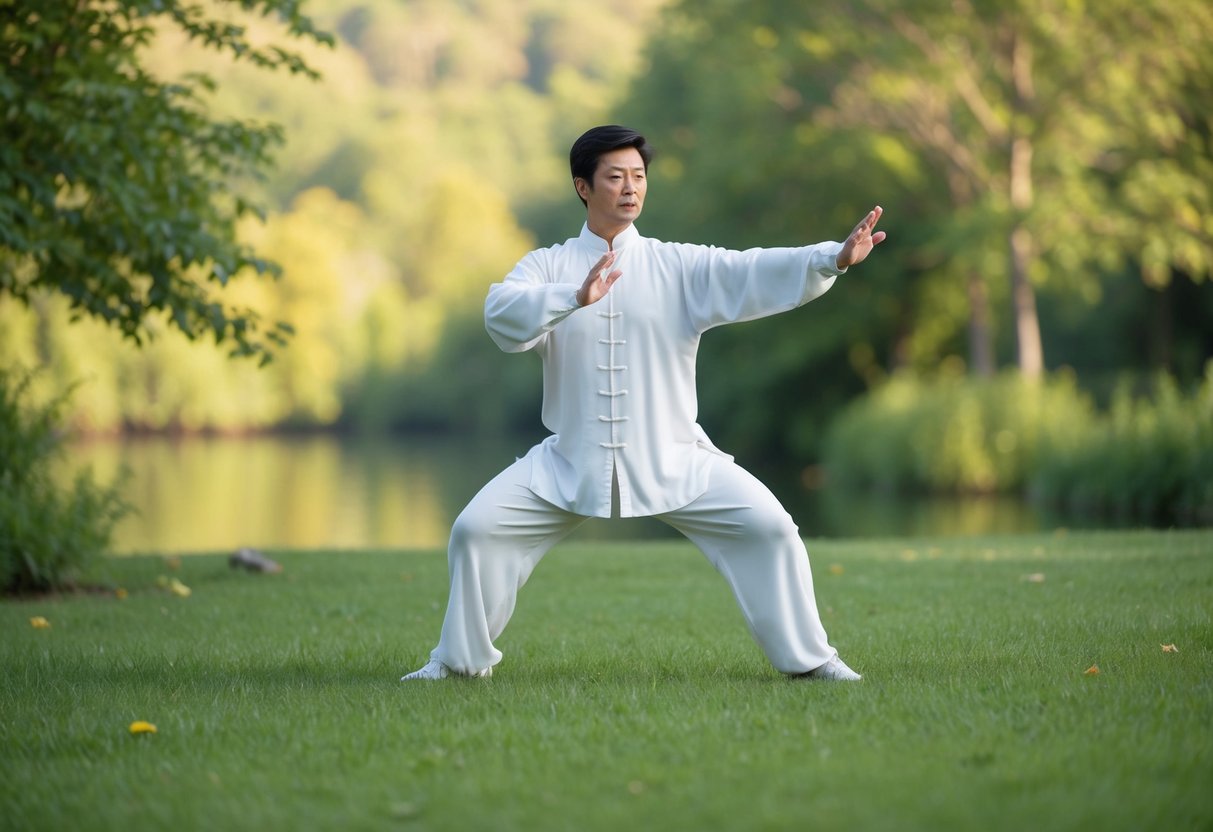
(732, 286)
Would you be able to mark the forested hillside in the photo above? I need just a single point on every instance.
(1046, 172)
(420, 167)
(1040, 167)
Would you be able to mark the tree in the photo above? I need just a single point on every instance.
(114, 183)
(1067, 140)
(1038, 114)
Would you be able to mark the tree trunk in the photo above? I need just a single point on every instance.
(42, 330)
(1162, 331)
(981, 346)
(1030, 351)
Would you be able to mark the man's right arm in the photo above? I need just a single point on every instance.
(523, 308)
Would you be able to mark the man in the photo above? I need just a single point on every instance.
(617, 320)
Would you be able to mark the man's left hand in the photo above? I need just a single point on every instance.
(862, 240)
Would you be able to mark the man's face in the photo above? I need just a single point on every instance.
(617, 196)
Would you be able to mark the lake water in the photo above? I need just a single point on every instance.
(203, 494)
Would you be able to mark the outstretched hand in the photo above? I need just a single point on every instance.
(599, 281)
(862, 240)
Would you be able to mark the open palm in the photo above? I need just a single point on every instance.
(862, 240)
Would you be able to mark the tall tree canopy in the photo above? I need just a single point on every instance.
(434, 154)
(1021, 149)
(113, 182)
(1026, 144)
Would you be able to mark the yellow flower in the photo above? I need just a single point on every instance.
(179, 589)
(141, 727)
(39, 623)
(120, 594)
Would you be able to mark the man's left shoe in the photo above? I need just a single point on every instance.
(435, 670)
(835, 670)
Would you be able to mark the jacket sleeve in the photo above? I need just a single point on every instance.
(723, 286)
(523, 308)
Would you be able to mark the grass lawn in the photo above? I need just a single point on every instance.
(630, 698)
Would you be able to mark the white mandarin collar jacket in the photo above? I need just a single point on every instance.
(619, 375)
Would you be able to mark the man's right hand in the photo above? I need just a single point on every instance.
(599, 281)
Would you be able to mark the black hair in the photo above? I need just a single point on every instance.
(593, 143)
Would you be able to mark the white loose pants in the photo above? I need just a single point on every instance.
(738, 524)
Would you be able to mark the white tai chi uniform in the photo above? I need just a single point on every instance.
(619, 398)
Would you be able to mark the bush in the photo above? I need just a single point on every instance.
(954, 434)
(48, 536)
(1148, 457)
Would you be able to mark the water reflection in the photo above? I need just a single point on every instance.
(216, 494)
(831, 513)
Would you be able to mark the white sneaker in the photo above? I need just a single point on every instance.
(435, 670)
(835, 670)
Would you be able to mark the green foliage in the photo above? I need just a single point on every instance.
(1149, 458)
(114, 183)
(1083, 129)
(498, 393)
(630, 696)
(954, 434)
(433, 154)
(395, 205)
(47, 536)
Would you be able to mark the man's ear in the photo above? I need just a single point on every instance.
(583, 187)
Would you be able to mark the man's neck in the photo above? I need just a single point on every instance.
(608, 233)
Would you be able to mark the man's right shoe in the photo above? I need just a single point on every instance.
(435, 670)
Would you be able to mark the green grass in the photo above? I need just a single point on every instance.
(630, 697)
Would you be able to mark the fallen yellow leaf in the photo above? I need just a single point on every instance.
(1035, 578)
(1093, 670)
(39, 623)
(141, 727)
(120, 594)
(179, 589)
(1169, 648)
(836, 569)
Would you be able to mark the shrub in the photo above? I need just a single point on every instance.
(48, 535)
(953, 434)
(1150, 457)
